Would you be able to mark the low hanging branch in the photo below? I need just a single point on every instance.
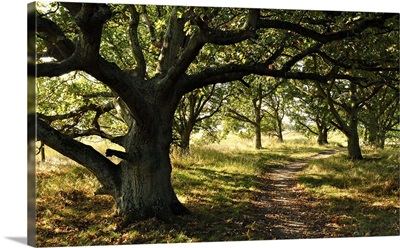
(105, 170)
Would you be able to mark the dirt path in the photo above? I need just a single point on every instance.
(284, 209)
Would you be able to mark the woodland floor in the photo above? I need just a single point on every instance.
(284, 209)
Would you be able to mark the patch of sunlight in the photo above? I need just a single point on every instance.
(183, 199)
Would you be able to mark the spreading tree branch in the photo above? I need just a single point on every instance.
(58, 45)
(307, 127)
(79, 112)
(197, 41)
(136, 48)
(106, 171)
(150, 26)
(240, 117)
(325, 38)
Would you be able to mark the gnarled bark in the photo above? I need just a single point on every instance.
(146, 189)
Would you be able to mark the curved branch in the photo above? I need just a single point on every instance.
(358, 65)
(74, 132)
(219, 37)
(216, 110)
(125, 85)
(137, 50)
(150, 26)
(199, 39)
(172, 42)
(307, 127)
(54, 69)
(179, 67)
(90, 20)
(54, 37)
(79, 112)
(325, 38)
(235, 72)
(313, 49)
(105, 170)
(89, 132)
(238, 116)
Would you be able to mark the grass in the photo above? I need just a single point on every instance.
(363, 196)
(217, 182)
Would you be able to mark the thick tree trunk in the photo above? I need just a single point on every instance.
(146, 190)
(141, 182)
(353, 147)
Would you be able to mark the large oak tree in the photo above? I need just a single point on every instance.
(154, 70)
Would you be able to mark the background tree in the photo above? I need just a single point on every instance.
(194, 108)
(144, 55)
(276, 103)
(380, 115)
(358, 56)
(310, 112)
(247, 106)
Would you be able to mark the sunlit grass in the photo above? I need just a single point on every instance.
(218, 183)
(364, 195)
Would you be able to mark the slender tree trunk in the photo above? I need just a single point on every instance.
(42, 153)
(325, 135)
(279, 129)
(185, 141)
(381, 139)
(376, 135)
(373, 133)
(322, 135)
(353, 141)
(258, 144)
(350, 128)
(257, 102)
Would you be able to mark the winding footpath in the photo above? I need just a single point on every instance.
(284, 209)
